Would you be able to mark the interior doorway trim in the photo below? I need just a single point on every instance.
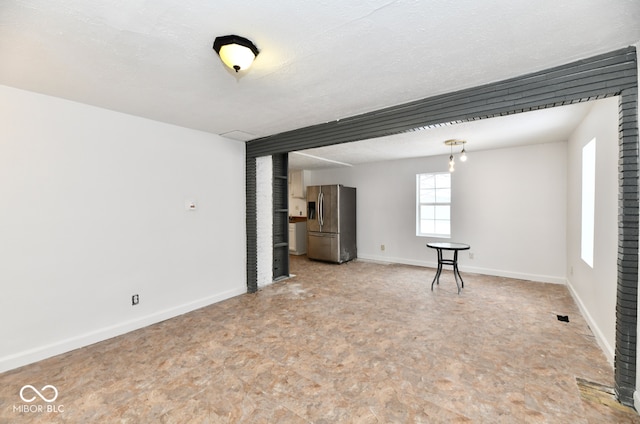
(610, 74)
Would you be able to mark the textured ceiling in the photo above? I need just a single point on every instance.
(536, 127)
(319, 61)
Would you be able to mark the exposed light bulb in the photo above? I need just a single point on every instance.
(451, 163)
(463, 155)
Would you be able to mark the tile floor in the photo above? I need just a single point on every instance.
(355, 343)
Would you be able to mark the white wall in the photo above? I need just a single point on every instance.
(508, 204)
(595, 288)
(264, 220)
(92, 211)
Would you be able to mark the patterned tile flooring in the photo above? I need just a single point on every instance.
(359, 342)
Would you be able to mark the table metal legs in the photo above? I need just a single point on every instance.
(437, 277)
(456, 272)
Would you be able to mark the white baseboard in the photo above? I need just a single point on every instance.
(636, 400)
(476, 270)
(608, 350)
(30, 356)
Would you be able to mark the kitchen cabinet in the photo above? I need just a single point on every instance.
(298, 238)
(296, 184)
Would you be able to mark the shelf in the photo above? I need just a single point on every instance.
(280, 216)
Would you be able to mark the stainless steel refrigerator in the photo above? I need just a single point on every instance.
(331, 223)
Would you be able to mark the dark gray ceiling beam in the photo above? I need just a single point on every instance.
(597, 77)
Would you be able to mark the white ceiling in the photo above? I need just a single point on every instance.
(319, 61)
(540, 126)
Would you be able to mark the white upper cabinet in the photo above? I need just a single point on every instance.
(296, 184)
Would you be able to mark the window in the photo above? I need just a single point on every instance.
(433, 205)
(588, 201)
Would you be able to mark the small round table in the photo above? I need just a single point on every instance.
(455, 247)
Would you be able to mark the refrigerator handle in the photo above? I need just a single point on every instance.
(322, 209)
(319, 210)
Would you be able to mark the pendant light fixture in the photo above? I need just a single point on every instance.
(236, 52)
(463, 153)
(451, 161)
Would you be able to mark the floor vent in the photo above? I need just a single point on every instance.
(604, 395)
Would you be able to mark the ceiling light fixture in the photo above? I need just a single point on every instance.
(451, 162)
(236, 52)
(463, 153)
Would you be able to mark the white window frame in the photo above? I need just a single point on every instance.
(588, 202)
(440, 204)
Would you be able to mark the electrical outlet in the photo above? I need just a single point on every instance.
(382, 247)
(135, 299)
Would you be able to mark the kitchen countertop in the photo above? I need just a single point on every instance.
(293, 219)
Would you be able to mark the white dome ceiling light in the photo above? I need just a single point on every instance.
(236, 52)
